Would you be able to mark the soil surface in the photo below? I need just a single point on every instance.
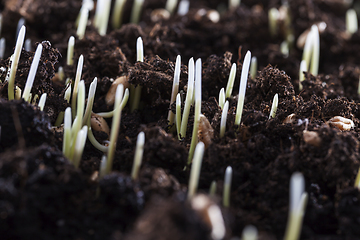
(42, 194)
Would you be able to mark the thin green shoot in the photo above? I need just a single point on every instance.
(67, 133)
(42, 101)
(308, 48)
(314, 66)
(233, 4)
(27, 46)
(67, 94)
(138, 156)
(70, 51)
(102, 171)
(76, 84)
(17, 93)
(84, 15)
(98, 11)
(298, 200)
(32, 73)
(273, 21)
(231, 80)
(195, 169)
(194, 138)
(175, 88)
(136, 11)
(223, 119)
(212, 190)
(274, 106)
(118, 13)
(90, 101)
(242, 88)
(171, 5)
(183, 8)
(303, 68)
(105, 13)
(135, 101)
(222, 98)
(115, 127)
(79, 146)
(2, 47)
(249, 233)
(227, 187)
(122, 105)
(188, 99)
(178, 115)
(15, 62)
(351, 22)
(253, 67)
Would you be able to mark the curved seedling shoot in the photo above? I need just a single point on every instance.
(274, 106)
(32, 73)
(231, 80)
(105, 13)
(194, 138)
(175, 88)
(227, 187)
(67, 132)
(15, 62)
(42, 101)
(242, 88)
(298, 199)
(122, 105)
(195, 169)
(138, 156)
(223, 119)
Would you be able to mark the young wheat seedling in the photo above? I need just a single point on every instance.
(298, 199)
(32, 73)
(223, 119)
(42, 101)
(274, 106)
(76, 84)
(175, 88)
(17, 93)
(242, 88)
(79, 146)
(122, 105)
(105, 13)
(136, 11)
(314, 67)
(253, 67)
(231, 80)
(227, 187)
(212, 190)
(195, 169)
(222, 98)
(70, 51)
(118, 13)
(178, 115)
(90, 101)
(351, 22)
(15, 62)
(136, 93)
(2, 47)
(84, 15)
(138, 156)
(303, 68)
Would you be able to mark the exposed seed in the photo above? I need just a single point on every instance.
(312, 138)
(110, 96)
(205, 132)
(98, 123)
(341, 123)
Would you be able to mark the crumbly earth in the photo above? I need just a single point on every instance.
(43, 196)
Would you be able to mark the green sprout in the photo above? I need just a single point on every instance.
(15, 62)
(21, 23)
(67, 133)
(135, 93)
(32, 73)
(253, 67)
(84, 15)
(222, 98)
(79, 146)
(351, 22)
(175, 88)
(195, 169)
(115, 127)
(102, 171)
(90, 101)
(223, 119)
(42, 101)
(188, 99)
(136, 11)
(233, 4)
(171, 5)
(231, 80)
(17, 93)
(118, 13)
(273, 21)
(303, 68)
(242, 88)
(357, 180)
(183, 8)
(178, 115)
(298, 199)
(314, 67)
(212, 190)
(61, 73)
(227, 187)
(274, 106)
(138, 156)
(2, 47)
(249, 233)
(122, 105)
(76, 84)
(70, 51)
(194, 138)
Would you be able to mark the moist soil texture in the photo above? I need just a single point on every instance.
(44, 196)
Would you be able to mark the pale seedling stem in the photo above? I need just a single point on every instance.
(42, 101)
(17, 93)
(253, 67)
(231, 80)
(15, 62)
(98, 11)
(273, 21)
(357, 180)
(67, 132)
(249, 233)
(227, 187)
(103, 164)
(104, 17)
(2, 47)
(178, 115)
(222, 98)
(138, 156)
(118, 13)
(136, 11)
(32, 73)
(84, 15)
(79, 146)
(171, 5)
(21, 23)
(115, 127)
(188, 99)
(274, 106)
(140, 58)
(194, 138)
(195, 169)
(212, 190)
(242, 88)
(27, 46)
(90, 101)
(223, 119)
(70, 51)
(308, 48)
(175, 88)
(122, 105)
(183, 8)
(303, 68)
(76, 84)
(314, 67)
(61, 73)
(351, 21)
